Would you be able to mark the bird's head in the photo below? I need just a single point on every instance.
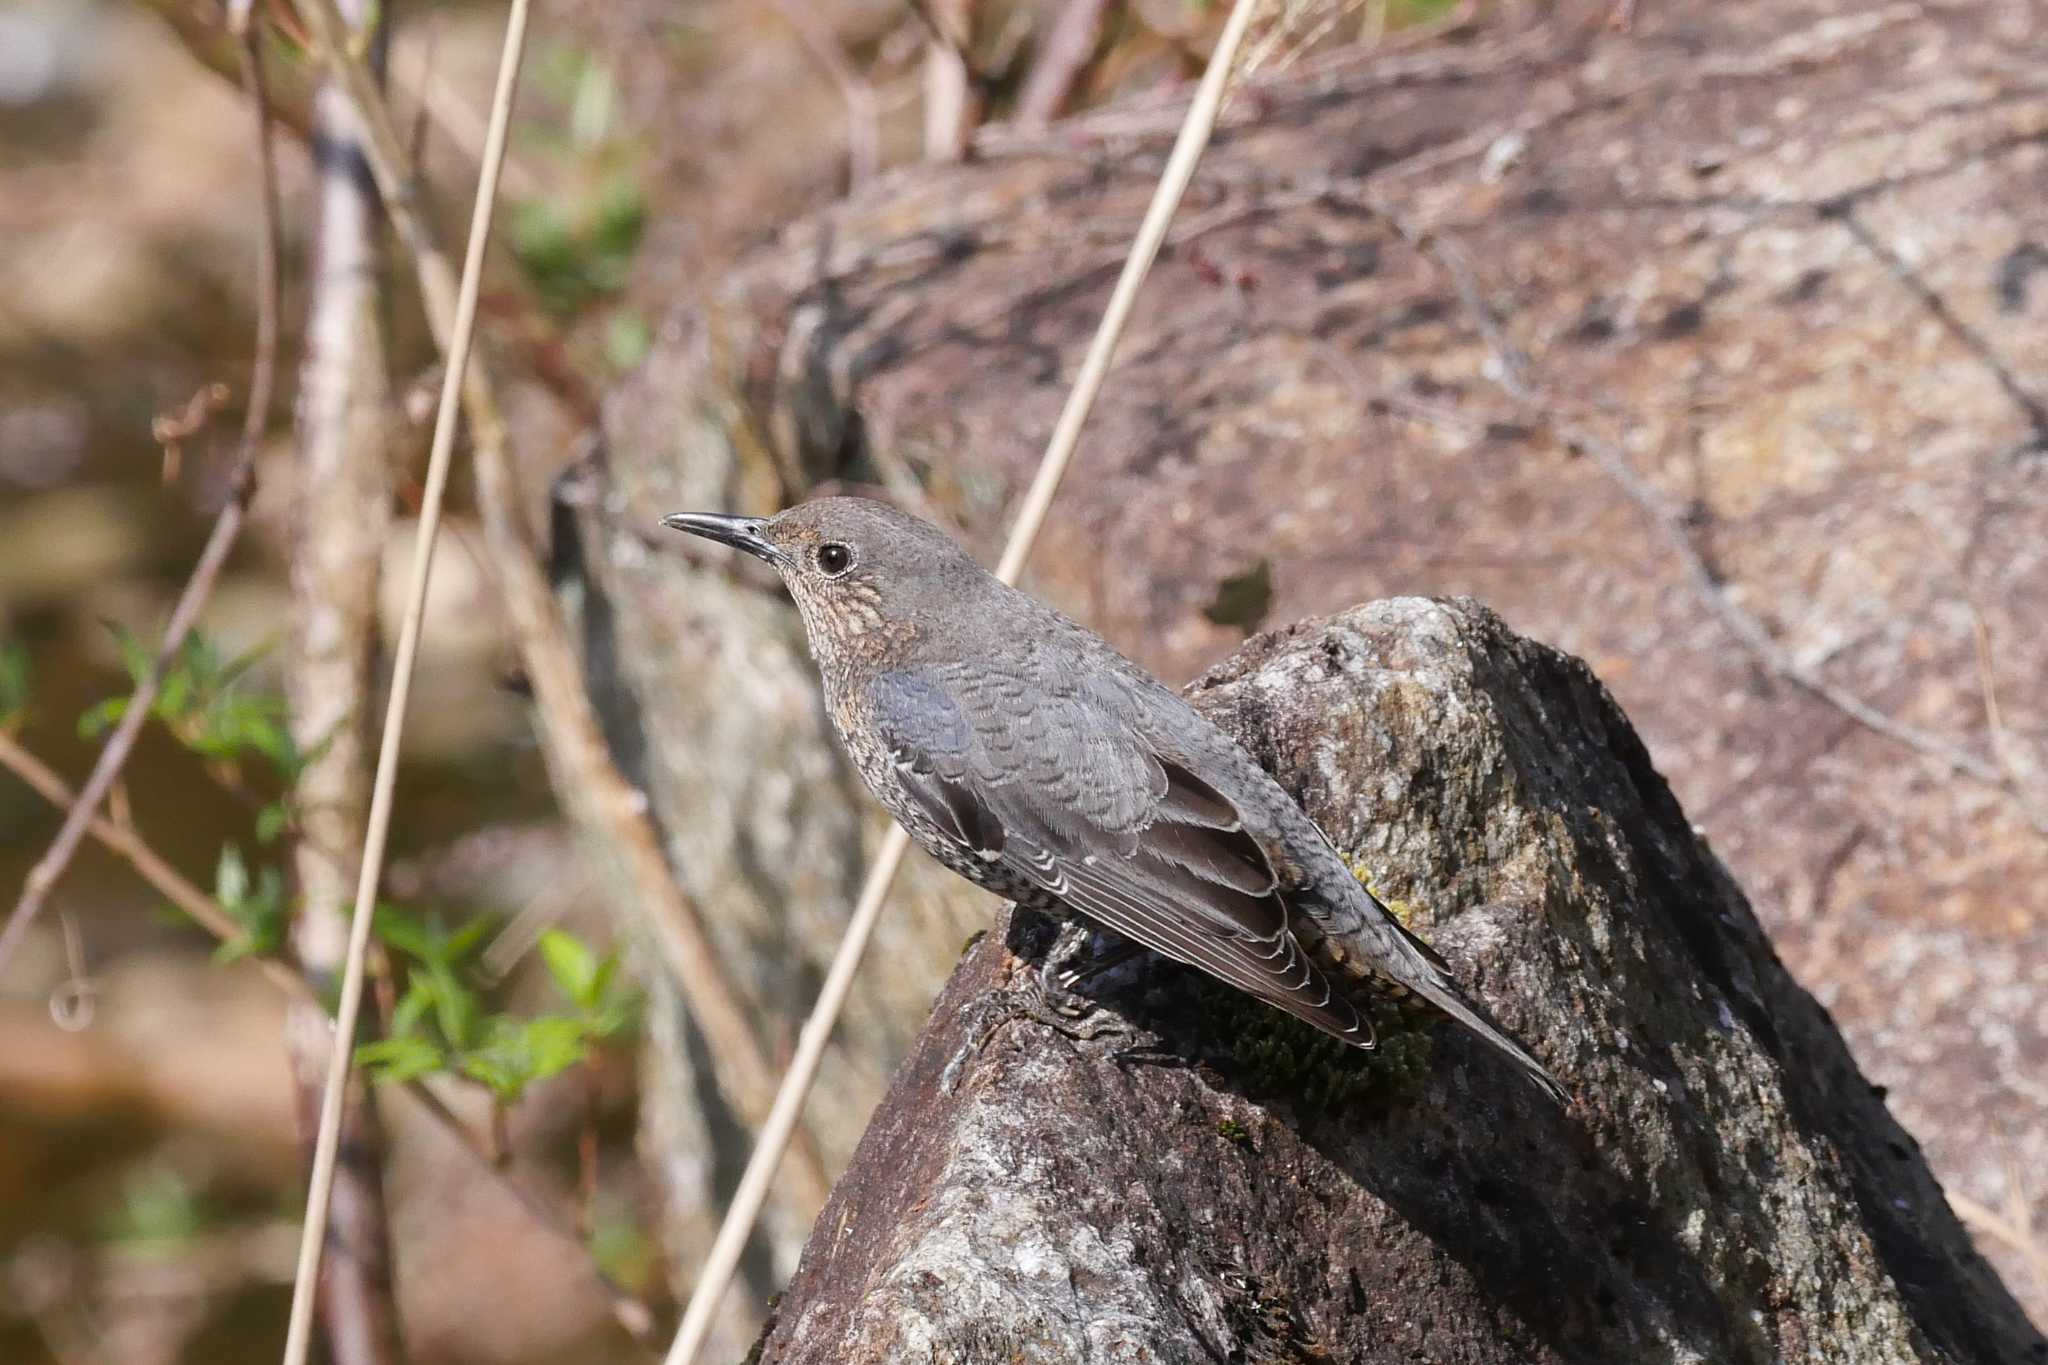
(866, 577)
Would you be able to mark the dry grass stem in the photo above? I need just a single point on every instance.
(600, 798)
(739, 1219)
(298, 1340)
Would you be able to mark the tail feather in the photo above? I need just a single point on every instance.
(1421, 969)
(1448, 998)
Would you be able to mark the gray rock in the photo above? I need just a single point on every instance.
(1782, 259)
(1727, 1188)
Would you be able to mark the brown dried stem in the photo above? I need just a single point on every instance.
(1197, 126)
(598, 795)
(863, 109)
(126, 843)
(1068, 48)
(226, 528)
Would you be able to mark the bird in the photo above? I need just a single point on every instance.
(1025, 753)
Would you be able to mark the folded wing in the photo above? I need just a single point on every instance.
(1062, 795)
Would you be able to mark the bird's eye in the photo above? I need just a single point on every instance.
(834, 559)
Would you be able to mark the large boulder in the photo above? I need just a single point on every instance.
(1720, 332)
(1202, 1179)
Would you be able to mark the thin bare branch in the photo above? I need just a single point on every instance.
(226, 528)
(863, 109)
(600, 798)
(953, 97)
(339, 516)
(125, 843)
(1069, 46)
(738, 1224)
(298, 1341)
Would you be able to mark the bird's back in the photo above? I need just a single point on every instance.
(1103, 761)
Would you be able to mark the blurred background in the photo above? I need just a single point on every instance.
(671, 162)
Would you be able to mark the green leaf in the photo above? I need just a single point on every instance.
(457, 1010)
(627, 340)
(234, 668)
(101, 717)
(400, 1059)
(231, 879)
(244, 945)
(257, 906)
(601, 979)
(174, 698)
(412, 1008)
(157, 1205)
(514, 1055)
(572, 964)
(619, 219)
(273, 820)
(553, 1044)
(462, 944)
(135, 656)
(495, 1071)
(407, 932)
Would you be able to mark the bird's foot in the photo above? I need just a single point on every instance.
(1048, 999)
(1078, 969)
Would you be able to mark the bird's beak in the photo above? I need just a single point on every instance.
(742, 533)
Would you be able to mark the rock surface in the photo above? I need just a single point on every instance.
(1612, 331)
(1727, 1187)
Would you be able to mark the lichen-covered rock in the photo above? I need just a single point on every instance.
(1132, 1188)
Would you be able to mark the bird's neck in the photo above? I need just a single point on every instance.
(851, 649)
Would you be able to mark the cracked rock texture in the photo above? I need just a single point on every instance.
(1728, 1186)
(1532, 316)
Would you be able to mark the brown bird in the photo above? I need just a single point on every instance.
(1027, 755)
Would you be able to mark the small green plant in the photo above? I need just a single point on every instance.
(1231, 1131)
(578, 252)
(256, 904)
(1275, 1056)
(204, 704)
(442, 1023)
(157, 1205)
(207, 705)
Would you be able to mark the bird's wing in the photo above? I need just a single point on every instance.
(1060, 792)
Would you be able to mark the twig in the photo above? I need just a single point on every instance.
(739, 1219)
(124, 842)
(340, 513)
(226, 527)
(863, 110)
(1994, 1224)
(1068, 48)
(598, 794)
(209, 36)
(1511, 374)
(76, 1000)
(298, 1340)
(953, 98)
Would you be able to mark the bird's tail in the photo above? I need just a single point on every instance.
(1430, 979)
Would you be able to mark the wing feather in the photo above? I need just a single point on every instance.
(1127, 836)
